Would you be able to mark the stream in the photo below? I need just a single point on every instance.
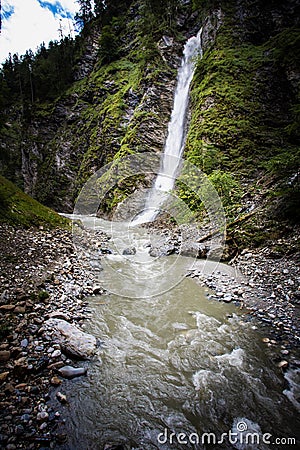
(172, 361)
(175, 369)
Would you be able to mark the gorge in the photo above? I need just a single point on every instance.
(188, 349)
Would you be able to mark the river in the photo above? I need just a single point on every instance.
(172, 361)
(176, 369)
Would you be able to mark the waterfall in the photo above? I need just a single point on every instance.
(175, 142)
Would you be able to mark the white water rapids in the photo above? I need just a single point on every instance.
(174, 364)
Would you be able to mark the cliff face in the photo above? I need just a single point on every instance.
(244, 114)
(244, 127)
(112, 109)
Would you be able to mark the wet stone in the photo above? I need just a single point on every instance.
(61, 397)
(4, 355)
(3, 376)
(55, 381)
(24, 343)
(72, 372)
(129, 251)
(42, 416)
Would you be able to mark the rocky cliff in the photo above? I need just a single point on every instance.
(113, 108)
(243, 126)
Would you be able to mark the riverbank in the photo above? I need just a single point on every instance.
(42, 278)
(264, 280)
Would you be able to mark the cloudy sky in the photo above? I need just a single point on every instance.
(28, 23)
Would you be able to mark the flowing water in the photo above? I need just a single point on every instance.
(175, 362)
(173, 365)
(176, 133)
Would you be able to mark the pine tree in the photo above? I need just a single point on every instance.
(85, 12)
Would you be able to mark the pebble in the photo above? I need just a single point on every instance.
(72, 372)
(26, 417)
(227, 298)
(285, 352)
(61, 397)
(283, 364)
(7, 307)
(3, 376)
(56, 354)
(55, 381)
(39, 348)
(24, 343)
(4, 355)
(42, 416)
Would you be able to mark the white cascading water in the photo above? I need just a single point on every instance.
(176, 133)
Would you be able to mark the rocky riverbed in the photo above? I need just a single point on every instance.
(266, 280)
(43, 309)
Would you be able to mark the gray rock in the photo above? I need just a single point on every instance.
(4, 355)
(72, 372)
(97, 289)
(154, 252)
(4, 297)
(62, 398)
(129, 251)
(59, 315)
(42, 416)
(24, 343)
(164, 250)
(72, 340)
(194, 250)
(56, 354)
(26, 417)
(227, 298)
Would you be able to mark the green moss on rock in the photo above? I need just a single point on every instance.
(17, 208)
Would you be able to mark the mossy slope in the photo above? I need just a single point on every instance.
(19, 209)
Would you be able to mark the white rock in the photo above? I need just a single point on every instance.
(72, 340)
(56, 354)
(227, 298)
(42, 416)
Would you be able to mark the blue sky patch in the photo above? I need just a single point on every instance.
(7, 11)
(56, 9)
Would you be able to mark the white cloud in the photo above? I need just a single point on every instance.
(31, 24)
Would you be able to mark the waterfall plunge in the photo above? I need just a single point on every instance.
(176, 134)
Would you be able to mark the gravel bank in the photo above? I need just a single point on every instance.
(41, 278)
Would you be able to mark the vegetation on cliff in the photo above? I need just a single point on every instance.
(113, 97)
(119, 102)
(244, 128)
(18, 209)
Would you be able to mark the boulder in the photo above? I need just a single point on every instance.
(129, 251)
(164, 250)
(72, 372)
(193, 249)
(72, 340)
